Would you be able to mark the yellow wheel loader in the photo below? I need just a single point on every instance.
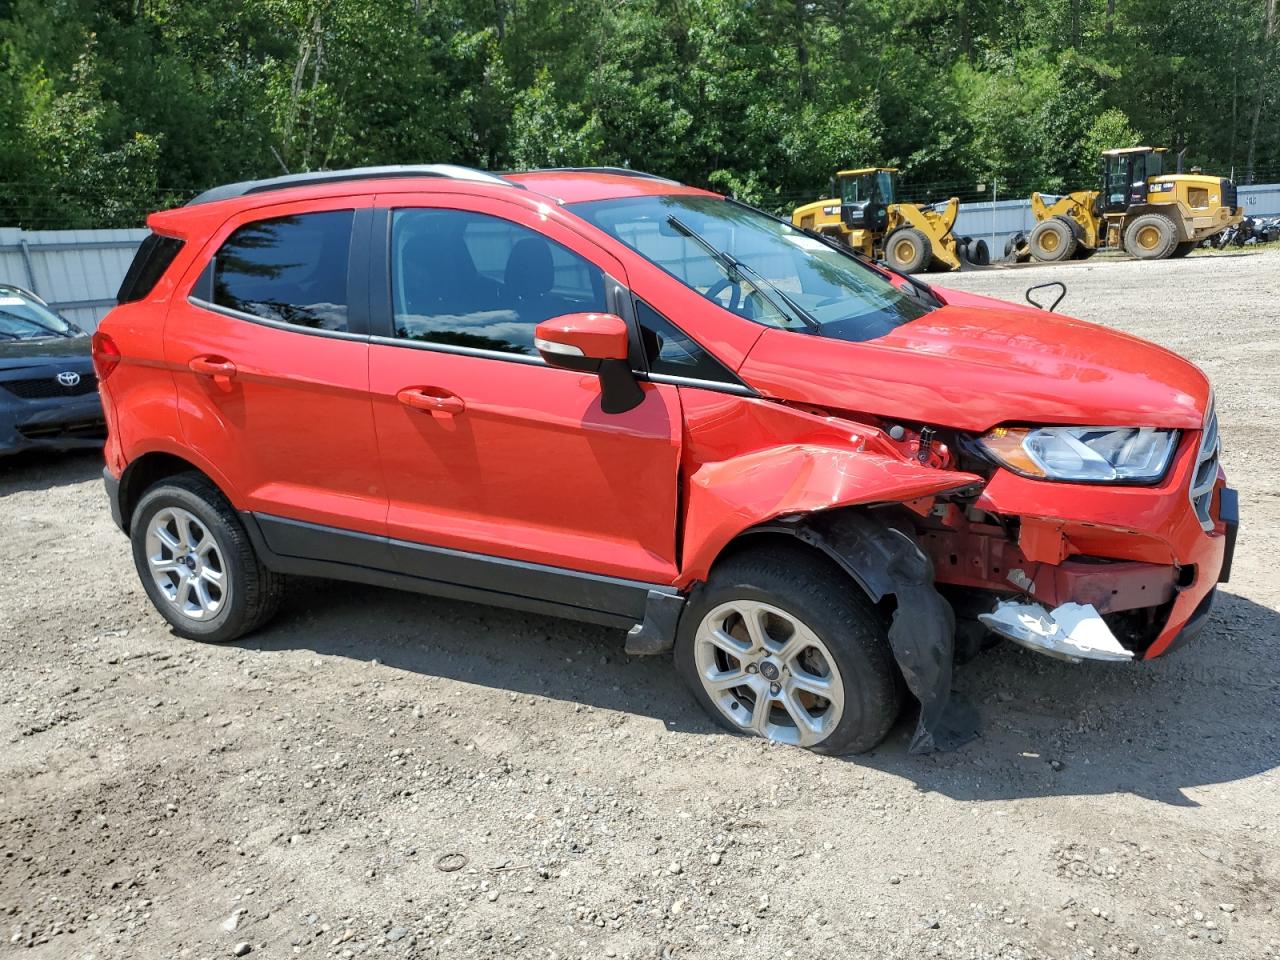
(909, 237)
(1149, 214)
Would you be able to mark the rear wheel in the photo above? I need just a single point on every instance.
(1053, 240)
(907, 250)
(196, 562)
(780, 644)
(1151, 237)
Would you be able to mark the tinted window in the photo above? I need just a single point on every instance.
(292, 269)
(669, 350)
(148, 266)
(478, 281)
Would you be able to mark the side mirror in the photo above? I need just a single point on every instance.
(592, 343)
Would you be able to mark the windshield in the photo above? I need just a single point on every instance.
(766, 270)
(860, 188)
(25, 318)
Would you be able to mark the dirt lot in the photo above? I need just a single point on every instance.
(295, 793)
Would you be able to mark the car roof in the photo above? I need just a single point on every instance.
(566, 184)
(563, 185)
(578, 184)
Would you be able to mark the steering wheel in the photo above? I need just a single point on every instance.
(719, 287)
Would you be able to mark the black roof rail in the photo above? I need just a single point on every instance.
(616, 171)
(444, 170)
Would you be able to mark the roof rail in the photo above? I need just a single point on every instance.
(445, 170)
(616, 171)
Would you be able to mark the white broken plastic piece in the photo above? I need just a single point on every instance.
(1073, 631)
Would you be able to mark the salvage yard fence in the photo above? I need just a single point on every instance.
(79, 271)
(76, 271)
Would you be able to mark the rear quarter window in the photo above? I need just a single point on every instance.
(152, 259)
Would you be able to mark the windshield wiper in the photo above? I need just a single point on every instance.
(35, 323)
(736, 269)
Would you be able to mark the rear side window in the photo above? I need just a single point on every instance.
(149, 264)
(288, 269)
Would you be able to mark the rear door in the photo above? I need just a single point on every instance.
(520, 461)
(270, 355)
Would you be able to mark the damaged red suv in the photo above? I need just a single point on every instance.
(603, 395)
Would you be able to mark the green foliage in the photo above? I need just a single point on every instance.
(109, 108)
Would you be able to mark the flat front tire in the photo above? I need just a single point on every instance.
(197, 564)
(782, 644)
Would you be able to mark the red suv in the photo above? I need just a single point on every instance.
(604, 395)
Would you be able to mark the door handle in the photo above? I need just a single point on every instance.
(431, 399)
(208, 366)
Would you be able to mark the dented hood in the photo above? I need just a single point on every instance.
(977, 362)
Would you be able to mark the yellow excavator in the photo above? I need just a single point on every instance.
(1149, 214)
(909, 237)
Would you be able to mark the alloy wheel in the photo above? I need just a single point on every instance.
(187, 564)
(769, 673)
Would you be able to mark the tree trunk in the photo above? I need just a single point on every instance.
(1264, 76)
(802, 52)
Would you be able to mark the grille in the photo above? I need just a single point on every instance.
(45, 388)
(1206, 472)
(1229, 194)
(83, 430)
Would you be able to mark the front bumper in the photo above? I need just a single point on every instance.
(1139, 555)
(56, 423)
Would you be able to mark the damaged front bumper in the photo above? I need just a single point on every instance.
(1071, 632)
(1140, 558)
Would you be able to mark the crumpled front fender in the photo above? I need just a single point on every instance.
(730, 496)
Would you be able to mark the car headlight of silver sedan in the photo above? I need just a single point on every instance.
(1085, 454)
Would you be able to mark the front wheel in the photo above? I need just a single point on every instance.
(196, 562)
(1053, 240)
(907, 250)
(781, 644)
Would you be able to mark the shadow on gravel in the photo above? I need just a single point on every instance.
(43, 470)
(1204, 714)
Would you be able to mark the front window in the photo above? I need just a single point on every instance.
(876, 186)
(473, 280)
(22, 317)
(785, 279)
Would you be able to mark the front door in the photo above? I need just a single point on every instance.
(485, 449)
(271, 361)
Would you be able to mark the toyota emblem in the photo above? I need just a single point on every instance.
(68, 378)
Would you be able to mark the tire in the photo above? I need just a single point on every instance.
(1182, 249)
(187, 537)
(979, 255)
(1053, 240)
(1150, 237)
(907, 250)
(834, 634)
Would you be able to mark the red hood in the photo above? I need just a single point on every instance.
(978, 362)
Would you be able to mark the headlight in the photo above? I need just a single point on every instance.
(1093, 454)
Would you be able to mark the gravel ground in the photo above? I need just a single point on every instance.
(309, 790)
